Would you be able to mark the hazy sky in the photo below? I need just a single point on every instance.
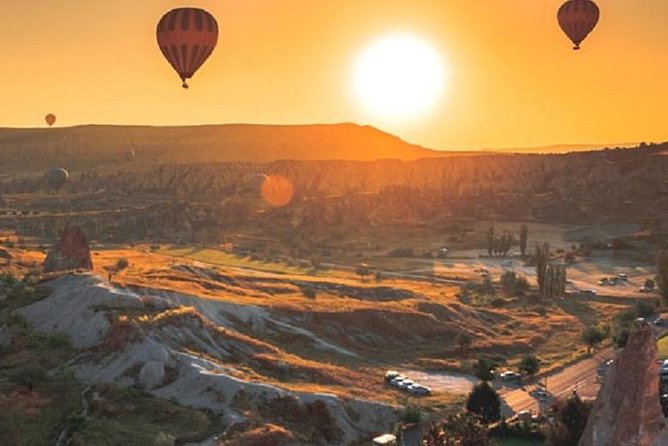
(514, 80)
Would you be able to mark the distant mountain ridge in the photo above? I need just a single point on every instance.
(563, 148)
(104, 147)
(93, 145)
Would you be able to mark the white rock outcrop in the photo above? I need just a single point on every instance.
(152, 375)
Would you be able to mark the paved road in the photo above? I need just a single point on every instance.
(581, 377)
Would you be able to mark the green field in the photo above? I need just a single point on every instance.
(222, 258)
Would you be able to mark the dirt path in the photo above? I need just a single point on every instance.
(450, 382)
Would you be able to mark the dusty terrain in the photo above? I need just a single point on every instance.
(261, 314)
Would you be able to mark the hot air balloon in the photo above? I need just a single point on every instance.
(577, 18)
(50, 119)
(130, 155)
(57, 178)
(187, 37)
(253, 183)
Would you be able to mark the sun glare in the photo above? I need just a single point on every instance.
(399, 76)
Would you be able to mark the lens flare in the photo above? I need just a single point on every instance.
(277, 191)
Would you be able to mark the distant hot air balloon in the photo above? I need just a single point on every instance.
(577, 18)
(187, 37)
(57, 178)
(50, 119)
(253, 183)
(130, 155)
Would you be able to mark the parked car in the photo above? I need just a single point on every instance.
(391, 374)
(589, 293)
(509, 375)
(540, 394)
(405, 384)
(623, 277)
(418, 389)
(659, 322)
(603, 368)
(398, 381)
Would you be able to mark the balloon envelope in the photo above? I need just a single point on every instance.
(253, 183)
(57, 178)
(577, 18)
(50, 119)
(187, 37)
(130, 155)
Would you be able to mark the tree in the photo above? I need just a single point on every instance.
(460, 429)
(464, 340)
(485, 402)
(399, 434)
(512, 284)
(592, 336)
(483, 369)
(529, 365)
(570, 422)
(487, 286)
(542, 257)
(362, 271)
(524, 237)
(412, 414)
(662, 275)
(490, 241)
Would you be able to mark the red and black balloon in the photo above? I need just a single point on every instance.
(577, 18)
(187, 37)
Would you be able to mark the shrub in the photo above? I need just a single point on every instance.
(122, 263)
(30, 376)
(411, 414)
(57, 340)
(529, 365)
(483, 369)
(514, 285)
(485, 402)
(309, 293)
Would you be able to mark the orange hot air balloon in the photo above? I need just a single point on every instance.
(50, 119)
(577, 18)
(187, 37)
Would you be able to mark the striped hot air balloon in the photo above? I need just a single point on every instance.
(577, 18)
(187, 37)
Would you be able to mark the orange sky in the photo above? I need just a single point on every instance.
(514, 81)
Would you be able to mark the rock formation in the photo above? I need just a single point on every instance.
(71, 252)
(152, 375)
(627, 410)
(5, 338)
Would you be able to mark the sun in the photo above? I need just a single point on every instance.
(399, 77)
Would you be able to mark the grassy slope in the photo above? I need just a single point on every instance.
(553, 329)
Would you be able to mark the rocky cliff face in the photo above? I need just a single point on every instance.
(627, 410)
(70, 253)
